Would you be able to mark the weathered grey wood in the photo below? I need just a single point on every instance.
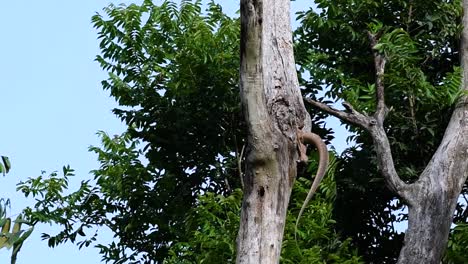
(432, 199)
(274, 110)
(434, 196)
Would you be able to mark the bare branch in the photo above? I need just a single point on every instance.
(386, 164)
(228, 186)
(350, 116)
(382, 145)
(374, 124)
(377, 131)
(379, 63)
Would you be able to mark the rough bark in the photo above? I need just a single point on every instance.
(274, 110)
(432, 199)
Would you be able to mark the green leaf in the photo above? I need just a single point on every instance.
(19, 243)
(6, 161)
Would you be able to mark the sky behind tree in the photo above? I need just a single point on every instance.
(52, 105)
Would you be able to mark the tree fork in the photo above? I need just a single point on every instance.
(432, 198)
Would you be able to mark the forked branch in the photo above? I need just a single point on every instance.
(373, 124)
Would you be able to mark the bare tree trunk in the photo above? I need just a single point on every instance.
(428, 227)
(432, 199)
(434, 196)
(274, 111)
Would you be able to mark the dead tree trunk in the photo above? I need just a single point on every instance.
(274, 111)
(432, 199)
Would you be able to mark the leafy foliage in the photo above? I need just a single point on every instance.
(5, 165)
(420, 41)
(318, 241)
(174, 71)
(208, 231)
(168, 189)
(15, 237)
(457, 250)
(107, 204)
(214, 223)
(212, 228)
(53, 206)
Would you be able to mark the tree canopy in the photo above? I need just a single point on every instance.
(169, 188)
(421, 40)
(174, 72)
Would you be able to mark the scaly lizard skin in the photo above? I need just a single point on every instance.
(311, 138)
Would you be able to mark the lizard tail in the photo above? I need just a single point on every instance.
(311, 138)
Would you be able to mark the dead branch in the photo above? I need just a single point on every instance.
(374, 125)
(379, 64)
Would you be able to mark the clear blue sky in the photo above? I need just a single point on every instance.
(52, 104)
